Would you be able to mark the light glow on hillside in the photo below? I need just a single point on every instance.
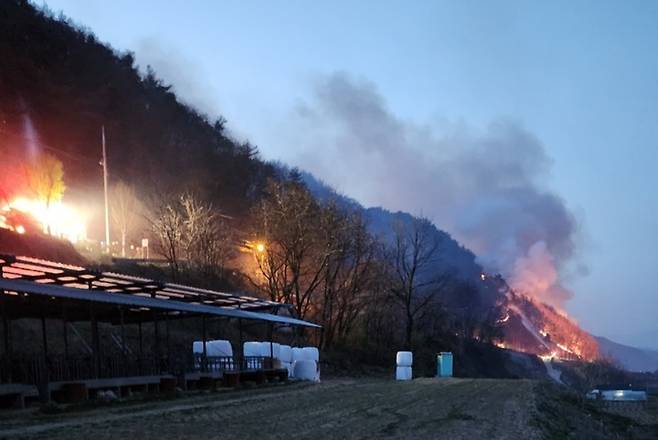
(57, 219)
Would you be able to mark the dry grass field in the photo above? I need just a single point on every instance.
(338, 409)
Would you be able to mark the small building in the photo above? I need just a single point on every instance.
(618, 393)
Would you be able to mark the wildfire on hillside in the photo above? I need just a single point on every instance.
(531, 326)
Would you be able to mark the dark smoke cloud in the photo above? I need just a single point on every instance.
(487, 188)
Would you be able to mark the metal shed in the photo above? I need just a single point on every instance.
(38, 289)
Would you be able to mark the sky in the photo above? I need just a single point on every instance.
(574, 81)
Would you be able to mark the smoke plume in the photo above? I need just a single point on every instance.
(181, 72)
(487, 187)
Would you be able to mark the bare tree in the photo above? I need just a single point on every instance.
(413, 270)
(207, 238)
(291, 267)
(318, 257)
(168, 227)
(125, 210)
(192, 233)
(349, 271)
(45, 178)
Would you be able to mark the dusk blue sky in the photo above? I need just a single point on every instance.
(579, 76)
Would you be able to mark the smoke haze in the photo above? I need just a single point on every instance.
(182, 73)
(487, 188)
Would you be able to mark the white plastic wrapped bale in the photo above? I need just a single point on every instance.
(287, 366)
(253, 349)
(306, 370)
(404, 359)
(285, 353)
(197, 348)
(297, 354)
(220, 348)
(403, 373)
(273, 351)
(276, 350)
(311, 354)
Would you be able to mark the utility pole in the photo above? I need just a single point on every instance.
(107, 207)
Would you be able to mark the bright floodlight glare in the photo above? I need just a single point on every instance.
(56, 218)
(260, 247)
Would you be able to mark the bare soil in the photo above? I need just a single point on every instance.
(335, 409)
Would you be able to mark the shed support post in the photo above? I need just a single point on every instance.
(156, 346)
(205, 338)
(65, 331)
(141, 345)
(6, 332)
(241, 349)
(168, 342)
(95, 341)
(44, 337)
(123, 342)
(42, 386)
(270, 334)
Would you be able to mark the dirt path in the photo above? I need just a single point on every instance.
(422, 409)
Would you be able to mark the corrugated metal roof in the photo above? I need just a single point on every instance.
(131, 300)
(42, 271)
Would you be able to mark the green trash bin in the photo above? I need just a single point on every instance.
(444, 364)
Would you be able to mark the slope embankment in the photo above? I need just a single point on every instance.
(39, 246)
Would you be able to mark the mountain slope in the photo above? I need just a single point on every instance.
(630, 358)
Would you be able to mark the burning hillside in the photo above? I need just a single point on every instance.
(531, 326)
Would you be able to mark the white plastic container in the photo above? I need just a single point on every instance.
(403, 373)
(404, 359)
(306, 370)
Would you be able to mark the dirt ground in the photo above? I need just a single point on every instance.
(335, 409)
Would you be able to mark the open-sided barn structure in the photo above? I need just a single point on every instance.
(47, 291)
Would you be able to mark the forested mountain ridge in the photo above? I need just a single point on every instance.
(453, 257)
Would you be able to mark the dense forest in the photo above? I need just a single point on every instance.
(220, 215)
